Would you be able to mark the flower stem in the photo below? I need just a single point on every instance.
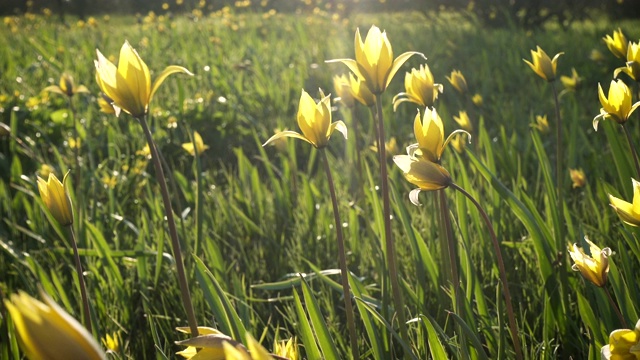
(615, 308)
(83, 287)
(633, 149)
(342, 258)
(177, 252)
(503, 274)
(559, 171)
(452, 253)
(390, 246)
(76, 150)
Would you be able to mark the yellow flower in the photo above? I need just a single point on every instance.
(129, 84)
(112, 342)
(463, 120)
(46, 331)
(632, 67)
(391, 146)
(45, 170)
(458, 81)
(617, 43)
(593, 268)
(239, 352)
(617, 105)
(624, 344)
(288, 349)
(374, 61)
(67, 86)
(430, 136)
(343, 89)
(596, 55)
(459, 143)
(314, 121)
(210, 341)
(55, 197)
(144, 152)
(420, 88)
(361, 92)
(571, 83)
(281, 143)
(542, 124)
(542, 65)
(477, 100)
(200, 145)
(629, 213)
(426, 175)
(105, 104)
(577, 177)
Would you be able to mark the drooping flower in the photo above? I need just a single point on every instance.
(46, 331)
(199, 148)
(426, 175)
(55, 197)
(577, 178)
(374, 61)
(314, 121)
(542, 64)
(253, 351)
(617, 43)
(429, 133)
(420, 88)
(67, 86)
(458, 82)
(632, 67)
(617, 106)
(629, 213)
(129, 84)
(624, 344)
(593, 268)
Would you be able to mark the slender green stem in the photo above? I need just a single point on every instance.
(177, 252)
(452, 253)
(559, 172)
(390, 246)
(634, 153)
(83, 287)
(342, 258)
(76, 150)
(615, 308)
(503, 273)
(356, 135)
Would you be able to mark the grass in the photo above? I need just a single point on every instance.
(266, 215)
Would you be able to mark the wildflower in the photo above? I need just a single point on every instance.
(199, 145)
(617, 106)
(391, 146)
(459, 143)
(46, 331)
(361, 92)
(629, 213)
(477, 100)
(430, 136)
(239, 352)
(129, 84)
(67, 86)
(571, 83)
(458, 82)
(374, 61)
(542, 65)
(144, 152)
(55, 197)
(577, 177)
(426, 175)
(542, 124)
(420, 88)
(314, 121)
(210, 341)
(112, 342)
(288, 349)
(593, 268)
(617, 43)
(105, 104)
(632, 67)
(343, 89)
(623, 344)
(463, 120)
(281, 143)
(45, 170)
(596, 55)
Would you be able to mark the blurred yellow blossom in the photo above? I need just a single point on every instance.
(343, 89)
(459, 143)
(477, 100)
(144, 152)
(617, 106)
(571, 83)
(45, 170)
(287, 349)
(596, 55)
(578, 178)
(463, 120)
(391, 147)
(542, 64)
(623, 344)
(632, 67)
(458, 81)
(253, 351)
(199, 148)
(542, 124)
(617, 43)
(67, 86)
(593, 268)
(112, 342)
(56, 199)
(629, 213)
(105, 104)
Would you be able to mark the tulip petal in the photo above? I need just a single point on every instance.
(351, 64)
(413, 197)
(398, 62)
(55, 89)
(340, 126)
(173, 69)
(287, 133)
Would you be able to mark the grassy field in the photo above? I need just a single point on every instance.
(252, 219)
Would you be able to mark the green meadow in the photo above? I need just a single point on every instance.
(256, 224)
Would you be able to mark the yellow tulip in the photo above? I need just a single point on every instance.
(105, 104)
(343, 89)
(239, 352)
(596, 55)
(477, 100)
(374, 61)
(617, 43)
(391, 147)
(210, 341)
(314, 121)
(458, 81)
(632, 67)
(571, 83)
(543, 65)
(55, 197)
(361, 92)
(593, 268)
(623, 344)
(129, 84)
(287, 349)
(617, 106)
(463, 120)
(459, 143)
(67, 86)
(577, 177)
(629, 213)
(46, 331)
(200, 145)
(420, 88)
(429, 133)
(426, 175)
